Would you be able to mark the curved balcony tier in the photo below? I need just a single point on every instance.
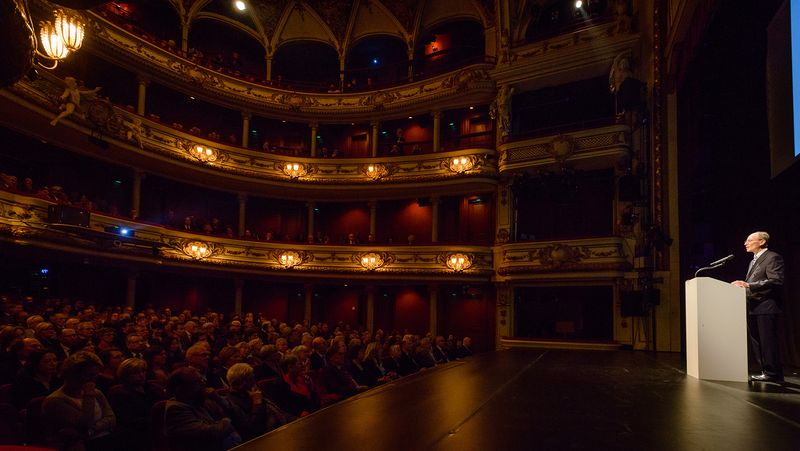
(24, 221)
(123, 137)
(462, 88)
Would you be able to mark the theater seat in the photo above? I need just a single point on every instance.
(158, 435)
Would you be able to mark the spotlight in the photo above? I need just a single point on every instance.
(578, 4)
(374, 60)
(44, 271)
(239, 4)
(123, 231)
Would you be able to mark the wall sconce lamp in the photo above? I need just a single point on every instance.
(294, 170)
(460, 165)
(459, 262)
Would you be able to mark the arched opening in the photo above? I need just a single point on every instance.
(215, 42)
(447, 47)
(376, 61)
(305, 64)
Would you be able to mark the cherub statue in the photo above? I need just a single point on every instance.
(500, 110)
(71, 98)
(134, 130)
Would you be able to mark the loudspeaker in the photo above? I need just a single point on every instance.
(64, 214)
(632, 303)
(630, 188)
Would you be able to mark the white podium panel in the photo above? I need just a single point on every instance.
(716, 330)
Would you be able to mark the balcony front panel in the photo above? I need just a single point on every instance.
(130, 138)
(461, 88)
(603, 257)
(24, 221)
(586, 149)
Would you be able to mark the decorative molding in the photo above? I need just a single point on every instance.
(609, 254)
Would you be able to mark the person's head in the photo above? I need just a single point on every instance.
(301, 352)
(187, 385)
(42, 363)
(466, 342)
(156, 356)
(111, 358)
(395, 351)
(241, 377)
(373, 351)
(132, 372)
(756, 241)
(291, 366)
(282, 345)
(135, 343)
(355, 352)
(229, 356)
(335, 356)
(28, 346)
(86, 330)
(33, 320)
(440, 341)
(320, 345)
(425, 344)
(197, 356)
(69, 337)
(45, 331)
(80, 368)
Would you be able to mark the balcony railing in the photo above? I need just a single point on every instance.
(548, 259)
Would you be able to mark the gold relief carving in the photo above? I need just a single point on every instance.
(502, 236)
(562, 147)
(558, 255)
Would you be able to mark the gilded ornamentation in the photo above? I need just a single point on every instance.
(562, 147)
(502, 236)
(558, 255)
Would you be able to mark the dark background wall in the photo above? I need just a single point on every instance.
(726, 191)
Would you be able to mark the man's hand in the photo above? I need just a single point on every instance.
(740, 284)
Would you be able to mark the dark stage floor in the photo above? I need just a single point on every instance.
(554, 399)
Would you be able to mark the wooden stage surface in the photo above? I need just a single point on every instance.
(523, 399)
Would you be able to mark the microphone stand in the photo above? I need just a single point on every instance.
(706, 268)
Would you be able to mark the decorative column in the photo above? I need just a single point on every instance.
(314, 127)
(505, 213)
(130, 289)
(342, 81)
(136, 194)
(373, 216)
(141, 98)
(371, 308)
(269, 67)
(437, 130)
(309, 292)
(505, 312)
(246, 128)
(185, 36)
(433, 297)
(242, 197)
(310, 206)
(374, 125)
(237, 296)
(435, 201)
(410, 52)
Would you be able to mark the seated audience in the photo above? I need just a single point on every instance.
(38, 378)
(132, 402)
(295, 392)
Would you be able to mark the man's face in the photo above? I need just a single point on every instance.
(754, 243)
(135, 343)
(69, 337)
(86, 329)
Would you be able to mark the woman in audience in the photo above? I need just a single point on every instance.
(373, 363)
(247, 407)
(270, 366)
(38, 378)
(156, 358)
(111, 359)
(294, 392)
(77, 415)
(355, 365)
(132, 401)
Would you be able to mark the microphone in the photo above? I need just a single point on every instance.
(722, 261)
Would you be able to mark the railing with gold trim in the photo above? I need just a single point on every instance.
(591, 144)
(146, 136)
(563, 258)
(23, 219)
(460, 88)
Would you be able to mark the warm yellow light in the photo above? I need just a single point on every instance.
(240, 5)
(70, 28)
(51, 42)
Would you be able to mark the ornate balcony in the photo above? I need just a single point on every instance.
(462, 88)
(590, 147)
(585, 258)
(23, 220)
(157, 147)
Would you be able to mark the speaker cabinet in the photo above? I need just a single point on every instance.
(64, 214)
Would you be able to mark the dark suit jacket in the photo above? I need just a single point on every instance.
(766, 284)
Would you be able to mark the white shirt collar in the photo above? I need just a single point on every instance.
(758, 254)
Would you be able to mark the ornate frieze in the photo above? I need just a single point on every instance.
(559, 258)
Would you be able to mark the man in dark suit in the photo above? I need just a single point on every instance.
(763, 283)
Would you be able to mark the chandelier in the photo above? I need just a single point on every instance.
(203, 153)
(458, 262)
(461, 164)
(371, 261)
(197, 250)
(59, 37)
(294, 170)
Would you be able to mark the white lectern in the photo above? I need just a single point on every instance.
(716, 330)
